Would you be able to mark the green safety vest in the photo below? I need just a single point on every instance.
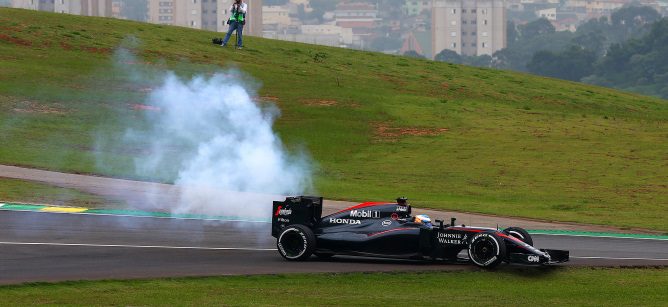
(238, 16)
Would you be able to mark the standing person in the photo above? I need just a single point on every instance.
(237, 21)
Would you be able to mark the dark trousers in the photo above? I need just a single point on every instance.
(234, 25)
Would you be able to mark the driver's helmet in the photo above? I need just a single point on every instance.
(422, 219)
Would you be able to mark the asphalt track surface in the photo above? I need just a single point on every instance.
(37, 246)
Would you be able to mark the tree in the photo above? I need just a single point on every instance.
(634, 16)
(413, 54)
(629, 22)
(478, 61)
(535, 28)
(637, 64)
(511, 32)
(572, 64)
(447, 55)
(544, 63)
(517, 56)
(383, 43)
(593, 41)
(594, 25)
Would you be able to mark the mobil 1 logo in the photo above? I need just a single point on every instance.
(365, 214)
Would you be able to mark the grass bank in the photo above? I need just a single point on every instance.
(509, 287)
(377, 126)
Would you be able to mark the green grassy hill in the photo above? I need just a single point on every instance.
(379, 126)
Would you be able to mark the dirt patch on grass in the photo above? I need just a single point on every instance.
(547, 100)
(15, 41)
(320, 102)
(273, 99)
(34, 107)
(136, 88)
(143, 107)
(385, 132)
(392, 79)
(65, 46)
(8, 58)
(97, 50)
(7, 29)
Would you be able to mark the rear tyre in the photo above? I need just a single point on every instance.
(519, 233)
(296, 243)
(487, 250)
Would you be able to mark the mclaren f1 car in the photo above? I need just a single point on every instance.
(388, 230)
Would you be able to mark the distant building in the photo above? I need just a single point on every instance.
(276, 15)
(209, 15)
(45, 5)
(360, 18)
(101, 8)
(566, 24)
(416, 7)
(326, 35)
(468, 27)
(26, 4)
(305, 3)
(116, 9)
(515, 5)
(663, 7)
(549, 14)
(254, 24)
(598, 8)
(345, 35)
(176, 13)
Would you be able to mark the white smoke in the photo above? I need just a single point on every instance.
(230, 161)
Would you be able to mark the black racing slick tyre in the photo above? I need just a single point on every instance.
(519, 233)
(296, 243)
(487, 250)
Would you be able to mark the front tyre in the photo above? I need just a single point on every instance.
(519, 233)
(296, 243)
(487, 250)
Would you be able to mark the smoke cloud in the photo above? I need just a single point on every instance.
(227, 158)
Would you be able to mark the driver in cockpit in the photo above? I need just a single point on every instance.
(422, 220)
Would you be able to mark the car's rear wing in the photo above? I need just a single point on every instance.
(304, 210)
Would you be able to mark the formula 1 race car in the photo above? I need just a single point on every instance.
(388, 230)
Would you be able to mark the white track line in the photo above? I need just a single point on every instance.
(591, 236)
(139, 246)
(613, 258)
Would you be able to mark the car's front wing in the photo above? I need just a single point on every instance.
(549, 256)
